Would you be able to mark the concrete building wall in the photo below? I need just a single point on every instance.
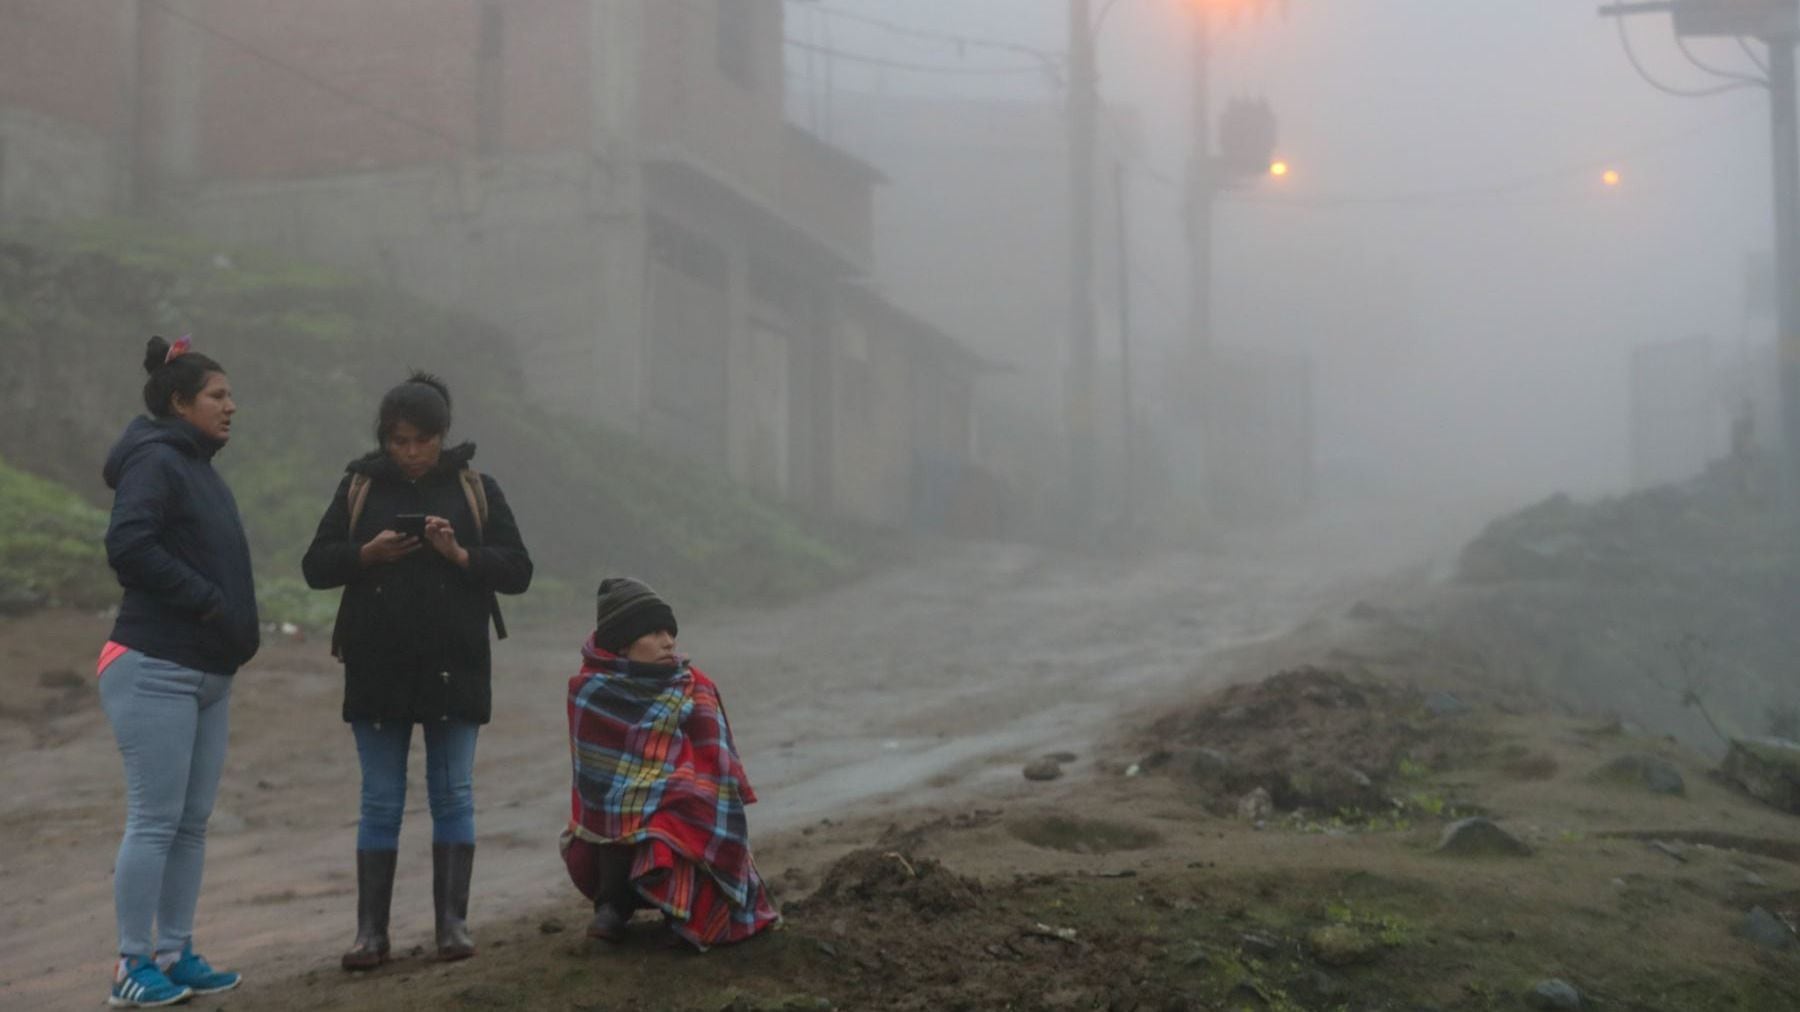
(53, 169)
(503, 245)
(872, 400)
(973, 235)
(544, 237)
(612, 182)
(694, 105)
(61, 58)
(326, 86)
(66, 118)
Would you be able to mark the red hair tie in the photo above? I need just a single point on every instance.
(182, 346)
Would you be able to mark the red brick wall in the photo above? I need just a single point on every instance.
(415, 59)
(61, 58)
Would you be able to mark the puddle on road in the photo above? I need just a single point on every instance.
(826, 778)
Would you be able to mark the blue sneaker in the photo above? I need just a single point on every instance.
(192, 971)
(143, 985)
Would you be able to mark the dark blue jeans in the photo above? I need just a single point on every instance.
(382, 745)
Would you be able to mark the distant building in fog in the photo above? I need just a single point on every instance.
(614, 182)
(973, 232)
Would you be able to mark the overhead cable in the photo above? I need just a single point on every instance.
(1650, 79)
(1729, 75)
(919, 68)
(959, 41)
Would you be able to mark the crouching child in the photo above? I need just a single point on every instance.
(657, 808)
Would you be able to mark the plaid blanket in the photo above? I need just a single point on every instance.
(655, 767)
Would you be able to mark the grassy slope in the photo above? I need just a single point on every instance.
(310, 351)
(50, 545)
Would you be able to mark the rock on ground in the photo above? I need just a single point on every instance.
(1766, 930)
(1479, 837)
(1445, 704)
(1651, 772)
(1554, 994)
(1255, 806)
(1343, 945)
(1768, 769)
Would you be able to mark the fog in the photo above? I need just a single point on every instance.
(1289, 518)
(823, 249)
(1444, 251)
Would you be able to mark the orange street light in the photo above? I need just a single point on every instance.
(1278, 168)
(1610, 177)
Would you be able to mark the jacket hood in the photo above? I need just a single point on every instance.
(145, 431)
(377, 464)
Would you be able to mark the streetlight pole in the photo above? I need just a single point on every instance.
(1080, 383)
(1202, 190)
(1783, 130)
(1777, 24)
(1127, 403)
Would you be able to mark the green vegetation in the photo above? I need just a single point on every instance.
(310, 351)
(50, 545)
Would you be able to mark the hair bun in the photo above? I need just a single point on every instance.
(156, 354)
(427, 379)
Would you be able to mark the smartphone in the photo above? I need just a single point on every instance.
(410, 523)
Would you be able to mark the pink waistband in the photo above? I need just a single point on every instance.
(108, 654)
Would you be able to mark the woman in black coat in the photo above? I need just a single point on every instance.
(421, 543)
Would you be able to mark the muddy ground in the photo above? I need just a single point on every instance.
(1219, 838)
(931, 682)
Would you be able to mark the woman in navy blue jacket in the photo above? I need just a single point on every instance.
(186, 623)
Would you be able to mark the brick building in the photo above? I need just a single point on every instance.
(614, 182)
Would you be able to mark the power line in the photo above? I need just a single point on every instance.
(1460, 195)
(313, 79)
(1729, 75)
(919, 68)
(351, 97)
(1755, 60)
(961, 42)
(1650, 79)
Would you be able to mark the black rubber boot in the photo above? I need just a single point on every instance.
(614, 900)
(451, 866)
(374, 893)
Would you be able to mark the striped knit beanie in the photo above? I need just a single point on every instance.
(627, 610)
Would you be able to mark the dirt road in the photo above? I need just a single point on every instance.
(926, 680)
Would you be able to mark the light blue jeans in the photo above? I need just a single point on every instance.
(382, 746)
(171, 724)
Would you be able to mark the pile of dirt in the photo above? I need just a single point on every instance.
(1710, 528)
(1669, 607)
(874, 877)
(1310, 737)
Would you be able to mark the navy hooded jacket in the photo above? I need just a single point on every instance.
(178, 547)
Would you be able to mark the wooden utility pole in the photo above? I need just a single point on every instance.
(1776, 23)
(1784, 135)
(1127, 403)
(1079, 385)
(1202, 190)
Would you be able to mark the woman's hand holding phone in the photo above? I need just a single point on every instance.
(388, 546)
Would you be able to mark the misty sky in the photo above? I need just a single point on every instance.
(1486, 326)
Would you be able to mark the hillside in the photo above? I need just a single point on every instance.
(310, 352)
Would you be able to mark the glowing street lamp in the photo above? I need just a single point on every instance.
(1278, 168)
(1609, 178)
